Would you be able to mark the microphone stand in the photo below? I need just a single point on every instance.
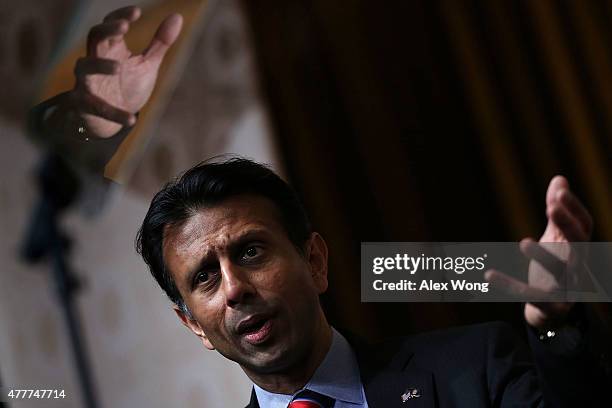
(59, 187)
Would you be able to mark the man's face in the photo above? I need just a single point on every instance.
(251, 294)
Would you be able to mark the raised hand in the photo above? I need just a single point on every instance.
(553, 267)
(568, 221)
(112, 84)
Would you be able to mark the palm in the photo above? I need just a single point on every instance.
(539, 276)
(131, 88)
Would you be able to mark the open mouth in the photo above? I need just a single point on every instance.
(255, 329)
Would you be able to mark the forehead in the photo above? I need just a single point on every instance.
(213, 227)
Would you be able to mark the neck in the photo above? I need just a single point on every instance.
(296, 376)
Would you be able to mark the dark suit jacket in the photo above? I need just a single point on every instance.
(476, 366)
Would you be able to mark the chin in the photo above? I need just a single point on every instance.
(269, 361)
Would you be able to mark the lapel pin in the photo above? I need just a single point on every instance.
(410, 393)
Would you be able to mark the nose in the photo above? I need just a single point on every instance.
(236, 284)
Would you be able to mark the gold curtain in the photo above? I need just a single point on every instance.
(436, 120)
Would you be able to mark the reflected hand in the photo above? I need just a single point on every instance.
(112, 84)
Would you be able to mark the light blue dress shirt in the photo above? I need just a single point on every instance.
(337, 377)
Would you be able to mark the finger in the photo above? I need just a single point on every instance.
(92, 65)
(166, 34)
(552, 314)
(130, 13)
(566, 222)
(550, 262)
(519, 290)
(553, 308)
(91, 104)
(112, 30)
(575, 207)
(556, 183)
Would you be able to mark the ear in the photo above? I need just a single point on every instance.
(316, 253)
(194, 326)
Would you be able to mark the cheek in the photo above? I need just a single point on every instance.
(288, 282)
(209, 314)
(285, 275)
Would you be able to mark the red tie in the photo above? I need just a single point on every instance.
(311, 399)
(304, 404)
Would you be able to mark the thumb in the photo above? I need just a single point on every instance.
(166, 34)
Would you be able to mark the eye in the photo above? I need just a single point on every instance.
(201, 277)
(251, 252)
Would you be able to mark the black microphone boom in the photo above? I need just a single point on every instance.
(59, 188)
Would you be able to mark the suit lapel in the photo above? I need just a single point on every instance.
(389, 375)
(412, 388)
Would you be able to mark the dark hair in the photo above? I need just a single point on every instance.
(209, 184)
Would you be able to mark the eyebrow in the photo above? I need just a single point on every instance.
(232, 246)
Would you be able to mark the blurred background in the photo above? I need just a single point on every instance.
(412, 121)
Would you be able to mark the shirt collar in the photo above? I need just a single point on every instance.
(336, 377)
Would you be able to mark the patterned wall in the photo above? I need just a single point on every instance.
(140, 354)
